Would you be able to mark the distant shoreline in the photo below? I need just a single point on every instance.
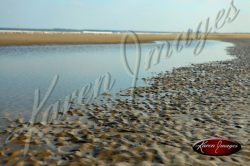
(22, 38)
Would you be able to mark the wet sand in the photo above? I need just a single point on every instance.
(39, 38)
(158, 126)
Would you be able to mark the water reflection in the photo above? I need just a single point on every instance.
(23, 69)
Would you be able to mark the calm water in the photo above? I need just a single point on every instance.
(24, 69)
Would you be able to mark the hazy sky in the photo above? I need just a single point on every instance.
(148, 15)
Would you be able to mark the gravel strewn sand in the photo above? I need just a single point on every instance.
(157, 127)
(39, 38)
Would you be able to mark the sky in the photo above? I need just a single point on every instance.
(145, 15)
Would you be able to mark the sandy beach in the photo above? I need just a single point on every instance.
(157, 127)
(125, 83)
(41, 38)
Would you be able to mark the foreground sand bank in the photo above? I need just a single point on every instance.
(39, 38)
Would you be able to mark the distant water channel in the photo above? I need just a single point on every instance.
(26, 68)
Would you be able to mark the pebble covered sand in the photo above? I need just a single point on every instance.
(152, 125)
